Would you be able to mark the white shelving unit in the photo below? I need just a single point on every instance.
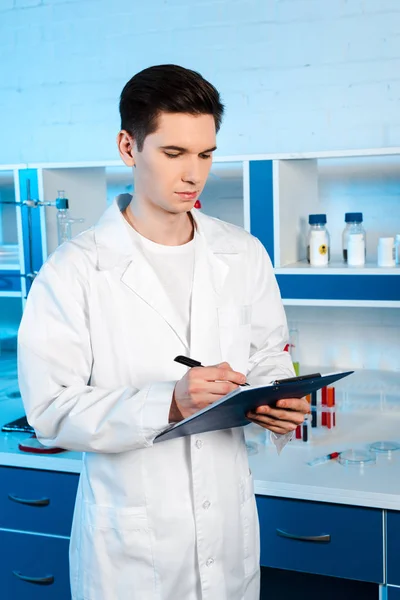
(11, 255)
(369, 183)
(331, 182)
(10, 234)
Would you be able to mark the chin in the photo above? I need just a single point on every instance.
(182, 207)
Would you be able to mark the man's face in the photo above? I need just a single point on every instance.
(173, 166)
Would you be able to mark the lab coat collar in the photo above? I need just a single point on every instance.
(116, 248)
(114, 244)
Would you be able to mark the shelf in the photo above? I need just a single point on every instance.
(343, 288)
(9, 267)
(367, 184)
(10, 294)
(336, 267)
(341, 303)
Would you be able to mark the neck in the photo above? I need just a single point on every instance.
(158, 225)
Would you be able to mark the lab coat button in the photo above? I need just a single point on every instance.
(209, 562)
(199, 444)
(206, 504)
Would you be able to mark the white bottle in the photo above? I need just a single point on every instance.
(318, 242)
(356, 250)
(354, 224)
(386, 256)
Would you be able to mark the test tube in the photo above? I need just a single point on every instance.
(323, 403)
(330, 396)
(294, 349)
(305, 431)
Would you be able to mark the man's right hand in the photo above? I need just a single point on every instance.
(202, 386)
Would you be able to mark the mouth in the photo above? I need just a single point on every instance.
(187, 195)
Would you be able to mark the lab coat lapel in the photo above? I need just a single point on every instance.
(209, 275)
(141, 278)
(116, 248)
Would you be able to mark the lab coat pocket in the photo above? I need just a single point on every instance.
(116, 553)
(235, 335)
(249, 518)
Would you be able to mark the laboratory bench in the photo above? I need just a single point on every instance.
(328, 520)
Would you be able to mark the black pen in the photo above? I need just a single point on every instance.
(190, 362)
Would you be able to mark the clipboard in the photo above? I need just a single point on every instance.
(230, 411)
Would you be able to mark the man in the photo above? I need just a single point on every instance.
(105, 318)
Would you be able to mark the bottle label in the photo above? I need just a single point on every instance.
(356, 251)
(319, 251)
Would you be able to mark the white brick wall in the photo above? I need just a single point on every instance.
(294, 74)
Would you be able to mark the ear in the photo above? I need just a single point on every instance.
(125, 145)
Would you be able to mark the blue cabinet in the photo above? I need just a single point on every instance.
(340, 287)
(34, 567)
(393, 593)
(36, 509)
(393, 547)
(321, 538)
(34, 500)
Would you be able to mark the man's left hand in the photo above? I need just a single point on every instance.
(287, 415)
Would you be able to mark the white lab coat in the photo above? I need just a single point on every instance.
(169, 521)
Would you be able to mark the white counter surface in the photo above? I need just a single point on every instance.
(286, 475)
(289, 476)
(12, 456)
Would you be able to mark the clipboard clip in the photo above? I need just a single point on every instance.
(297, 379)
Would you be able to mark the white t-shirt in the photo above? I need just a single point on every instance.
(174, 267)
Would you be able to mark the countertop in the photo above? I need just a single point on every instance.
(286, 475)
(10, 409)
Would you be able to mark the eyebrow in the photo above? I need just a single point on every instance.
(180, 149)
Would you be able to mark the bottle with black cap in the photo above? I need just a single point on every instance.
(354, 226)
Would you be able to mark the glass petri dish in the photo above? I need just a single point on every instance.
(384, 446)
(356, 458)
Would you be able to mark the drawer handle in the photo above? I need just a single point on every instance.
(304, 538)
(39, 502)
(49, 580)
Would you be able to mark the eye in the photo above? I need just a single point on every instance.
(205, 156)
(170, 155)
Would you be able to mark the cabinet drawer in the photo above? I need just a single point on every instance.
(326, 539)
(33, 500)
(34, 566)
(393, 547)
(10, 281)
(393, 593)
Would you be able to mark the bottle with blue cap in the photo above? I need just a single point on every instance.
(354, 226)
(318, 242)
(64, 220)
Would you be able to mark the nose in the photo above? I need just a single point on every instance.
(192, 171)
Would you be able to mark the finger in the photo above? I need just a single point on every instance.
(267, 420)
(220, 388)
(222, 373)
(297, 404)
(272, 426)
(281, 415)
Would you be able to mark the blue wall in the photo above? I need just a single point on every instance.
(295, 75)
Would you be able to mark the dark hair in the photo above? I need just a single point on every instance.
(165, 88)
